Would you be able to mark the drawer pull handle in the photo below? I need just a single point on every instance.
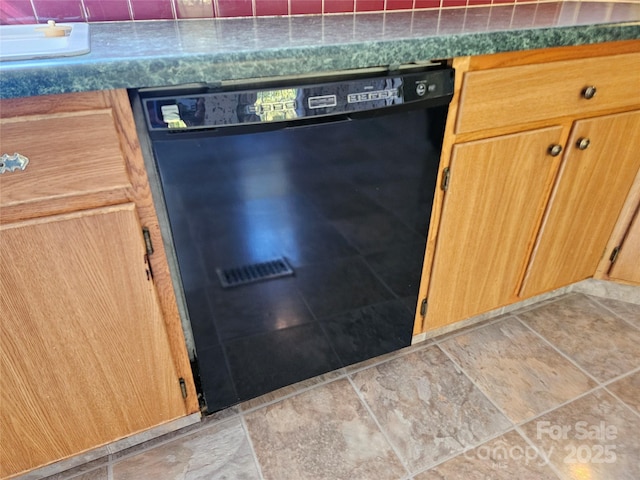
(589, 92)
(555, 150)
(583, 143)
(11, 163)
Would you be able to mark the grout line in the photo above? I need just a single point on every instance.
(253, 450)
(480, 389)
(559, 406)
(621, 377)
(391, 356)
(465, 450)
(382, 430)
(540, 451)
(628, 407)
(471, 328)
(130, 9)
(346, 371)
(203, 424)
(617, 315)
(294, 393)
(557, 349)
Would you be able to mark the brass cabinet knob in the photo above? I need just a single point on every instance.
(555, 150)
(589, 92)
(583, 143)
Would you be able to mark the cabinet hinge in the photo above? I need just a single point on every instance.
(147, 240)
(149, 270)
(183, 387)
(423, 307)
(446, 173)
(614, 254)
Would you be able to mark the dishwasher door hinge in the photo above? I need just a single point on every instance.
(446, 173)
(614, 254)
(423, 307)
(183, 387)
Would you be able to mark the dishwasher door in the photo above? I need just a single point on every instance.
(301, 247)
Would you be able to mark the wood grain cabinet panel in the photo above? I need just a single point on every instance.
(515, 222)
(503, 97)
(492, 208)
(70, 155)
(92, 348)
(85, 356)
(627, 264)
(591, 189)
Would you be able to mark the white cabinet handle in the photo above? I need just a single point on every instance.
(11, 163)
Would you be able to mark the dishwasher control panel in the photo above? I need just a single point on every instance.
(254, 106)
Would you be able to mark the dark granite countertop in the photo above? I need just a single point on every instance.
(157, 53)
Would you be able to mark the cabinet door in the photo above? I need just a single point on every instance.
(627, 264)
(84, 354)
(591, 189)
(493, 205)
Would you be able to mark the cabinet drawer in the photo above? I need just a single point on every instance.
(516, 95)
(69, 155)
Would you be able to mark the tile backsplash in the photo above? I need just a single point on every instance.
(39, 11)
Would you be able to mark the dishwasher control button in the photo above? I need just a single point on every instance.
(421, 89)
(323, 101)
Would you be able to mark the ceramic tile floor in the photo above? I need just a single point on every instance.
(551, 391)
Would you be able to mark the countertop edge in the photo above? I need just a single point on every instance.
(75, 74)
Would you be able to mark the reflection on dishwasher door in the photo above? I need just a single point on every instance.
(299, 218)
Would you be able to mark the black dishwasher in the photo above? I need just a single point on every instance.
(299, 212)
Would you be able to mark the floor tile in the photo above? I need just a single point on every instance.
(517, 369)
(625, 310)
(369, 331)
(219, 451)
(628, 390)
(428, 409)
(594, 437)
(507, 457)
(596, 339)
(324, 433)
(269, 361)
(290, 390)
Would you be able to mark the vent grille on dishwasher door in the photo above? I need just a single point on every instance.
(253, 272)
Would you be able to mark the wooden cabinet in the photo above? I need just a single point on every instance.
(85, 355)
(591, 189)
(626, 266)
(515, 221)
(522, 94)
(494, 201)
(91, 344)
